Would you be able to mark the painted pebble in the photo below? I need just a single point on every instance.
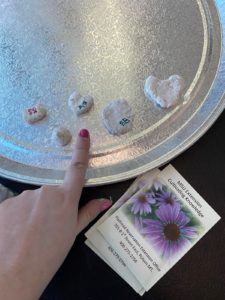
(164, 93)
(35, 114)
(117, 117)
(80, 104)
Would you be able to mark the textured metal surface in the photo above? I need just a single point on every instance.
(106, 48)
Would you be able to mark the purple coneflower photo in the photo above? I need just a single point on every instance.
(138, 223)
(157, 185)
(129, 194)
(142, 203)
(165, 198)
(170, 233)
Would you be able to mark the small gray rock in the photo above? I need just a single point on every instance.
(61, 136)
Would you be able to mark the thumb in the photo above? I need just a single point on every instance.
(90, 211)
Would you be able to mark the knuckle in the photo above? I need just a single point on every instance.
(62, 192)
(78, 165)
(25, 193)
(28, 192)
(44, 188)
(51, 191)
(54, 194)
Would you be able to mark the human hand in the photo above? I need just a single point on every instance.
(38, 228)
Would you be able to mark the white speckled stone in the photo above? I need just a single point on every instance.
(80, 104)
(117, 117)
(35, 114)
(164, 93)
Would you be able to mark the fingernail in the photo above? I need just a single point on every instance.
(84, 133)
(105, 204)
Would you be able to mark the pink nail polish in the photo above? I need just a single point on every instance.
(106, 204)
(84, 133)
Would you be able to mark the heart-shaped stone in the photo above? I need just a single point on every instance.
(117, 117)
(164, 93)
(80, 104)
(35, 114)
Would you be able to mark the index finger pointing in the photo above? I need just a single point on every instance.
(75, 175)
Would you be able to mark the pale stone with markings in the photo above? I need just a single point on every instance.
(118, 117)
(35, 114)
(80, 104)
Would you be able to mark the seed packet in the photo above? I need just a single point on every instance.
(158, 225)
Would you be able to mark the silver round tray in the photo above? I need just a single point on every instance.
(48, 48)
